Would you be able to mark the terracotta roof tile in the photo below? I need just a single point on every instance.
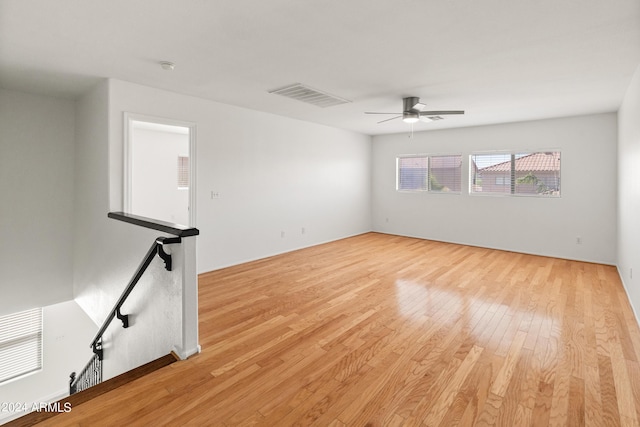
(535, 162)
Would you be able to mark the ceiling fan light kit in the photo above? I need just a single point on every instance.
(409, 117)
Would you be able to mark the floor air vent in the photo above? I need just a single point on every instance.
(309, 95)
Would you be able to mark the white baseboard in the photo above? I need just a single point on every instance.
(626, 291)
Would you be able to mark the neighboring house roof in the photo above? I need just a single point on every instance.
(535, 162)
(446, 162)
(413, 162)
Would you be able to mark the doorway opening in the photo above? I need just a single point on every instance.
(159, 181)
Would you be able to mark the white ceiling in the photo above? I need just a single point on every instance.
(499, 60)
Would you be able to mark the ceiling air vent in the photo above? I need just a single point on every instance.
(309, 95)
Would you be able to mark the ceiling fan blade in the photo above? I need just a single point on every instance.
(419, 106)
(369, 112)
(425, 119)
(392, 118)
(440, 113)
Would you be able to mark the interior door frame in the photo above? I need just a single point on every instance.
(129, 118)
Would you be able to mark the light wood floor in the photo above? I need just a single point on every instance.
(380, 330)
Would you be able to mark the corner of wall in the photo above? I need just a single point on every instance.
(90, 185)
(628, 192)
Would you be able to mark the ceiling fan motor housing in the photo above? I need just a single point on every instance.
(410, 103)
(409, 113)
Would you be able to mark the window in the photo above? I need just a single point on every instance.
(429, 173)
(20, 344)
(531, 173)
(503, 180)
(412, 173)
(183, 172)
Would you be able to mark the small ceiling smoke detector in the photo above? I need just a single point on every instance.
(166, 65)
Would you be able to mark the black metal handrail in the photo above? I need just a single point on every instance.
(92, 372)
(155, 249)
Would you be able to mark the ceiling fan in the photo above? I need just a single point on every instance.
(413, 111)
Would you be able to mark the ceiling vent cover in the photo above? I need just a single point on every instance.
(309, 95)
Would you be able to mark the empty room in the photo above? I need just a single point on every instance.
(357, 213)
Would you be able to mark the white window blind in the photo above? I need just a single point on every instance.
(20, 344)
(412, 173)
(529, 173)
(183, 172)
(429, 173)
(445, 173)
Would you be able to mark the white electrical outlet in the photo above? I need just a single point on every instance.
(303, 230)
(282, 234)
(578, 240)
(631, 273)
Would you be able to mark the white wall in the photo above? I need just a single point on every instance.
(545, 226)
(629, 191)
(107, 253)
(155, 317)
(91, 202)
(154, 187)
(67, 332)
(36, 200)
(273, 175)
